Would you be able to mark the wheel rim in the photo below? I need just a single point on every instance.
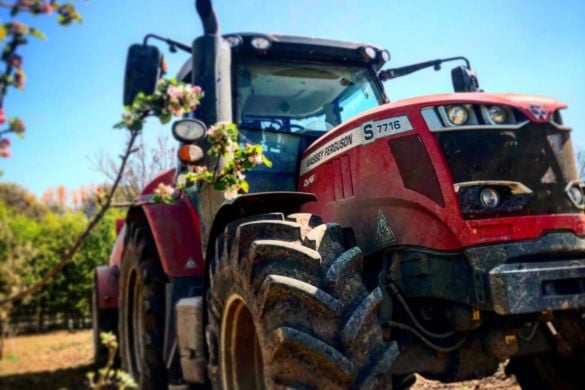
(134, 320)
(242, 366)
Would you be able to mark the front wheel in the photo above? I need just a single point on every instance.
(549, 371)
(288, 308)
(142, 307)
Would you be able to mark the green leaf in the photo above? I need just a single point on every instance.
(3, 32)
(136, 126)
(267, 162)
(245, 186)
(165, 117)
(36, 33)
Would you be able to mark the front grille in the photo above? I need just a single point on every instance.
(537, 155)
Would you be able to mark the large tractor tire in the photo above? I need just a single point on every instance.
(288, 309)
(142, 308)
(103, 320)
(549, 371)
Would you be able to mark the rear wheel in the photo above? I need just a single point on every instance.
(288, 307)
(142, 308)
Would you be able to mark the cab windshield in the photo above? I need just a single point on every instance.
(301, 97)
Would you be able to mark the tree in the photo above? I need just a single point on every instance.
(17, 198)
(30, 246)
(15, 258)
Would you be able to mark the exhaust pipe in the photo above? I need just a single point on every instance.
(208, 18)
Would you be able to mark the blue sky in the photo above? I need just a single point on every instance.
(74, 92)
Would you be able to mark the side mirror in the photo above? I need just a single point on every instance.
(143, 69)
(464, 79)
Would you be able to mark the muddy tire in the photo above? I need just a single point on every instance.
(103, 320)
(549, 371)
(288, 308)
(142, 308)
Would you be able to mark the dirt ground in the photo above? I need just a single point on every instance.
(49, 361)
(499, 381)
(61, 360)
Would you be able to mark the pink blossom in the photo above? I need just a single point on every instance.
(196, 89)
(200, 169)
(47, 8)
(231, 147)
(5, 152)
(231, 192)
(176, 110)
(256, 158)
(127, 118)
(174, 92)
(18, 28)
(2, 116)
(164, 191)
(16, 61)
(19, 80)
(4, 143)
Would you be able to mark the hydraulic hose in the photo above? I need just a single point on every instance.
(413, 318)
(429, 343)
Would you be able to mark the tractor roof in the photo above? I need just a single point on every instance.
(292, 47)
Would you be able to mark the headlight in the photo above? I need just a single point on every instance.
(188, 130)
(369, 53)
(489, 198)
(261, 43)
(576, 195)
(457, 114)
(234, 40)
(498, 114)
(385, 54)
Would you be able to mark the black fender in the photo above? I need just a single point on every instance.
(251, 204)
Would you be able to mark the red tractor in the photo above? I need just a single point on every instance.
(439, 235)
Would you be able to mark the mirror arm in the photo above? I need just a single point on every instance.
(390, 74)
(173, 45)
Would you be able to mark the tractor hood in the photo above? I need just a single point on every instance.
(533, 108)
(538, 108)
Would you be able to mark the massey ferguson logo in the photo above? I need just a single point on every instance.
(538, 111)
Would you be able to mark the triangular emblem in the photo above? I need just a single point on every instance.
(383, 232)
(190, 264)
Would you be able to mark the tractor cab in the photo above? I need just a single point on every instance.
(284, 92)
(288, 91)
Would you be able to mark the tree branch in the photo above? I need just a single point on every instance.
(8, 70)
